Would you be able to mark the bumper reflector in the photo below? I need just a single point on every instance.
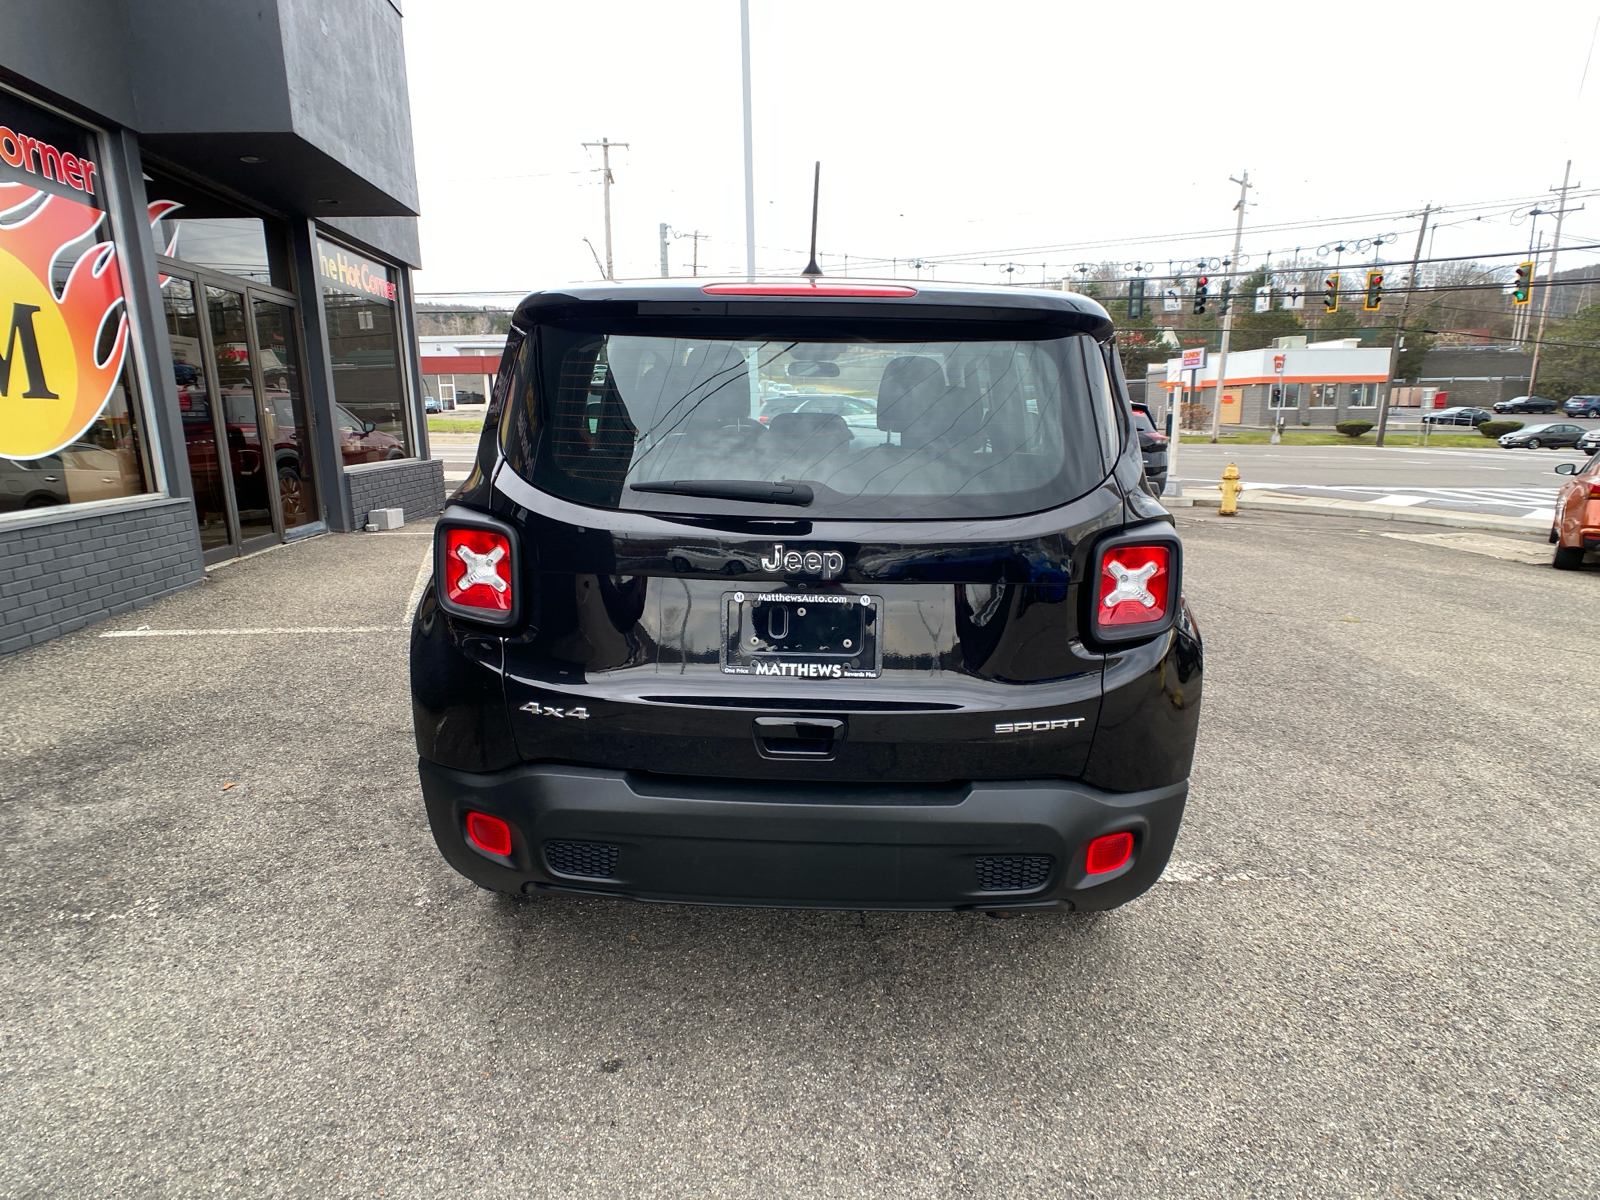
(489, 834)
(1109, 852)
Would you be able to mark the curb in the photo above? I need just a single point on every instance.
(1371, 512)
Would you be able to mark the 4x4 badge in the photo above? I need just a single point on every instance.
(544, 710)
(826, 563)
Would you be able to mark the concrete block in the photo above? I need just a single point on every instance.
(385, 518)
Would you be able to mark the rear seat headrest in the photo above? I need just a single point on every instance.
(911, 384)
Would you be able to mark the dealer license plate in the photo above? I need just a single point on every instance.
(801, 635)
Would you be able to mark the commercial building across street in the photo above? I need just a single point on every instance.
(207, 230)
(1318, 384)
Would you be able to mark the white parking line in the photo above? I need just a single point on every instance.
(424, 573)
(275, 629)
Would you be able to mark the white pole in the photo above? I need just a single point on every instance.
(1227, 320)
(749, 149)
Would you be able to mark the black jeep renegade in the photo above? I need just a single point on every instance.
(808, 593)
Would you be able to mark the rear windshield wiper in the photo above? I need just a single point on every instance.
(756, 491)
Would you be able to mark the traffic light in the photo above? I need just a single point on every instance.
(1135, 299)
(1522, 290)
(1200, 291)
(1330, 293)
(1227, 297)
(1374, 291)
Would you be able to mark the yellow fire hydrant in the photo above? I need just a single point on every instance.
(1231, 487)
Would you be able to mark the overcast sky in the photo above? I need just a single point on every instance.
(1004, 133)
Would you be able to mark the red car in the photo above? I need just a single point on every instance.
(1576, 529)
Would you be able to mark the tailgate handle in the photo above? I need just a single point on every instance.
(798, 737)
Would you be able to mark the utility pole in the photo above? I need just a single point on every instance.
(1400, 329)
(749, 150)
(664, 271)
(1550, 277)
(605, 145)
(696, 237)
(1227, 317)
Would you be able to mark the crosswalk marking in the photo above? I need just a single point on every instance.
(1503, 501)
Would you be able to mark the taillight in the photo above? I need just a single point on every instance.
(477, 572)
(1108, 853)
(476, 567)
(489, 834)
(1594, 491)
(1134, 586)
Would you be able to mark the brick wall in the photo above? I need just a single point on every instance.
(60, 575)
(416, 485)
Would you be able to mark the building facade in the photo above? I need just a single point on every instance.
(459, 369)
(1315, 385)
(207, 229)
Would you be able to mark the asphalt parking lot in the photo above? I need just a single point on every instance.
(238, 966)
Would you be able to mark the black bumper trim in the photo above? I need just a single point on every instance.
(694, 849)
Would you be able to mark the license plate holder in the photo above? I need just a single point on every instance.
(801, 635)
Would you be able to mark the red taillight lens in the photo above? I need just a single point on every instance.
(808, 289)
(1108, 853)
(477, 568)
(488, 833)
(1594, 491)
(1134, 585)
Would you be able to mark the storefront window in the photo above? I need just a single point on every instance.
(360, 299)
(1324, 395)
(1286, 395)
(1363, 395)
(69, 419)
(197, 228)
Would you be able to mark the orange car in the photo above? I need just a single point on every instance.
(1576, 529)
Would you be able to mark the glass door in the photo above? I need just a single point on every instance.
(236, 363)
(246, 428)
(192, 375)
(284, 407)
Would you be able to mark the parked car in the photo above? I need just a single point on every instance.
(1152, 449)
(898, 704)
(1589, 443)
(1576, 529)
(1582, 406)
(1525, 404)
(1533, 437)
(1457, 416)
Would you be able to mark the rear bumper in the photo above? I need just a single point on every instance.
(702, 841)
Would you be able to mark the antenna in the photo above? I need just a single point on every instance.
(813, 271)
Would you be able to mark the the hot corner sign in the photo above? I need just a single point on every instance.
(344, 271)
(63, 328)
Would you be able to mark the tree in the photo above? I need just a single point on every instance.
(1138, 342)
(1253, 330)
(1339, 324)
(1569, 364)
(1417, 343)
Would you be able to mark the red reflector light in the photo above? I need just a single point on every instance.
(1134, 585)
(1594, 491)
(477, 568)
(1109, 852)
(489, 833)
(808, 289)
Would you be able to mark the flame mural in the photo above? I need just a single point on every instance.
(54, 381)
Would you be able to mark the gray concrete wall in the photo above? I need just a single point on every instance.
(346, 67)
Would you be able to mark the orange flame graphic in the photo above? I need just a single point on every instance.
(36, 229)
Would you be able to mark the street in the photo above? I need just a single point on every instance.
(1514, 483)
(238, 965)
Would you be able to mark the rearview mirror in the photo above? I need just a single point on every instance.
(1567, 468)
(368, 427)
(813, 370)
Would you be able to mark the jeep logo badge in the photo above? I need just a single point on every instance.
(827, 563)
